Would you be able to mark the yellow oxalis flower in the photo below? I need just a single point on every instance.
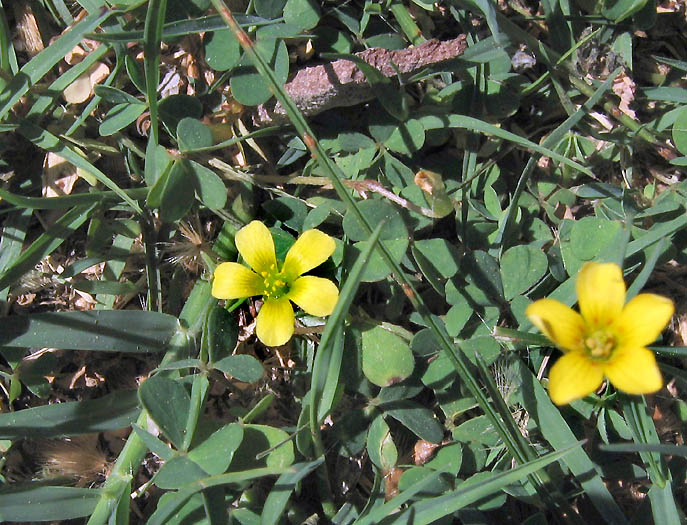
(607, 338)
(278, 283)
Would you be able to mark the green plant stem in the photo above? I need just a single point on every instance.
(151, 260)
(152, 37)
(121, 475)
(5, 46)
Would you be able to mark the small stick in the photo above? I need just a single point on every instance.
(360, 186)
(341, 83)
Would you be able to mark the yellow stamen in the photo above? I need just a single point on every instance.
(600, 344)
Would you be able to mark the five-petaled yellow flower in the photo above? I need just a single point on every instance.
(278, 283)
(606, 339)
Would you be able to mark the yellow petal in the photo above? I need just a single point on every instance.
(558, 322)
(255, 244)
(643, 319)
(311, 249)
(315, 295)
(235, 281)
(572, 377)
(600, 293)
(634, 371)
(275, 322)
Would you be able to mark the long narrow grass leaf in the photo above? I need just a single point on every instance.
(663, 505)
(665, 229)
(13, 235)
(325, 380)
(68, 201)
(381, 511)
(556, 431)
(36, 503)
(73, 418)
(101, 330)
(473, 124)
(647, 269)
(44, 61)
(643, 429)
(152, 37)
(665, 450)
(49, 142)
(46, 243)
(183, 28)
(164, 512)
(276, 501)
(430, 510)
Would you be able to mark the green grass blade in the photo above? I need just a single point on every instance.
(68, 201)
(508, 335)
(46, 243)
(74, 418)
(644, 432)
(473, 124)
(152, 38)
(325, 381)
(663, 505)
(430, 510)
(164, 512)
(381, 511)
(100, 330)
(13, 235)
(56, 89)
(327, 365)
(181, 28)
(665, 229)
(407, 23)
(44, 61)
(678, 351)
(7, 64)
(556, 431)
(276, 501)
(665, 450)
(648, 267)
(34, 504)
(49, 142)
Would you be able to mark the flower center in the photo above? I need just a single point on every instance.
(276, 284)
(600, 344)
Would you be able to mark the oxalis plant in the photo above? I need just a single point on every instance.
(298, 261)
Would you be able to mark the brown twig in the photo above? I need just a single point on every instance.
(341, 83)
(360, 186)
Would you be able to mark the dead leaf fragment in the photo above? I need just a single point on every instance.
(59, 176)
(27, 28)
(81, 89)
(423, 451)
(624, 87)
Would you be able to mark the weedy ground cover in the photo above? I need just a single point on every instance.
(299, 261)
